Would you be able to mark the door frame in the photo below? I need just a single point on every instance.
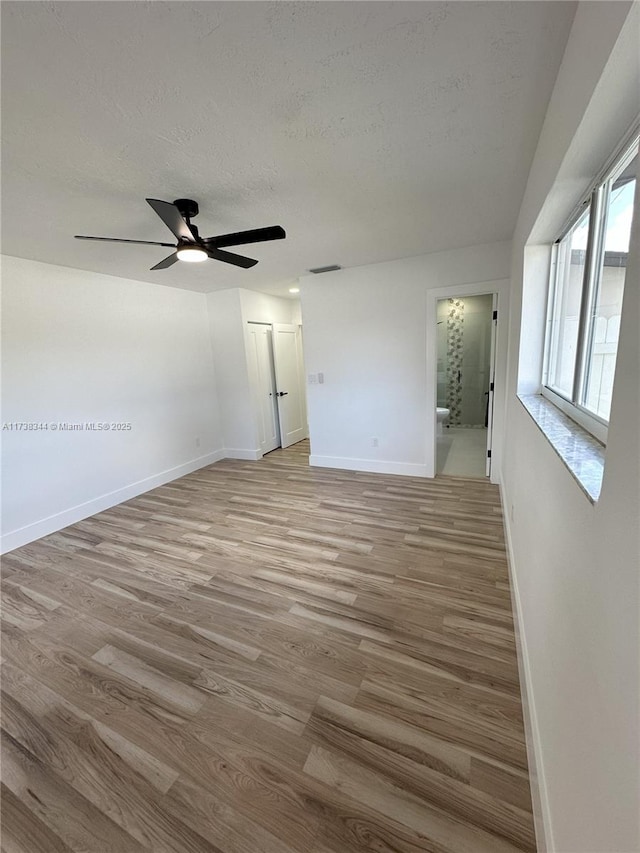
(499, 287)
(272, 325)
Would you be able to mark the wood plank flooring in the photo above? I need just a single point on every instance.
(262, 657)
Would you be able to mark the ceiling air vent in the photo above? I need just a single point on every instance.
(326, 269)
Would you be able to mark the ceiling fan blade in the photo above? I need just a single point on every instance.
(240, 238)
(118, 240)
(172, 218)
(167, 262)
(229, 258)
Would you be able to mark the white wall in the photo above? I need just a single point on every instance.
(229, 313)
(575, 565)
(369, 331)
(82, 347)
(263, 308)
(227, 340)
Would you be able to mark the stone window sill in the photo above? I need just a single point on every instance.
(580, 452)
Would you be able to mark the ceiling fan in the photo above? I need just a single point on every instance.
(190, 246)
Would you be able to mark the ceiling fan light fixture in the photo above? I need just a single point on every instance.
(192, 254)
(191, 248)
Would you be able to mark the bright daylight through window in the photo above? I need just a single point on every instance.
(585, 304)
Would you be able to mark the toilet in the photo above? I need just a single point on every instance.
(442, 417)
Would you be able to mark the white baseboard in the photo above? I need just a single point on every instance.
(539, 797)
(374, 466)
(236, 453)
(23, 535)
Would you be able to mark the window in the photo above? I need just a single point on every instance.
(570, 262)
(585, 298)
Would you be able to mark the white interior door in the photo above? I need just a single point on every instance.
(264, 381)
(292, 407)
(492, 373)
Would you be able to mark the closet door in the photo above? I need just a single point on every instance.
(292, 411)
(263, 377)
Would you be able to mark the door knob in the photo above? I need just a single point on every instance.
(282, 393)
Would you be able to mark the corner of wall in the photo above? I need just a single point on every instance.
(23, 536)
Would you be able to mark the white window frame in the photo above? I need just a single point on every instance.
(573, 407)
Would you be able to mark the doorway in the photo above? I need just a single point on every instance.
(276, 372)
(465, 340)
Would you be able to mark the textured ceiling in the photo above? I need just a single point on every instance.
(370, 131)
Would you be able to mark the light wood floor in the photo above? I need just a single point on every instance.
(261, 657)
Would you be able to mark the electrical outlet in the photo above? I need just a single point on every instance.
(312, 379)
(374, 442)
(321, 379)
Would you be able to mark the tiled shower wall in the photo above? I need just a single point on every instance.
(455, 334)
(464, 348)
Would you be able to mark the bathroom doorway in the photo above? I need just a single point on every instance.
(465, 334)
